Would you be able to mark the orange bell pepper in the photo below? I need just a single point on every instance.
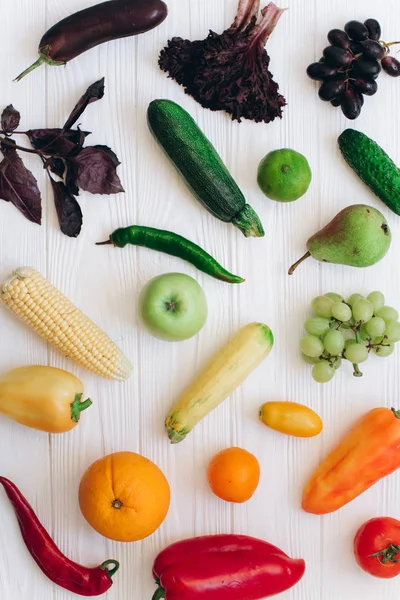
(369, 452)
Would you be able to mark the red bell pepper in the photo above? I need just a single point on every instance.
(218, 567)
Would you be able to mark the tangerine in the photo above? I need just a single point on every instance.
(234, 474)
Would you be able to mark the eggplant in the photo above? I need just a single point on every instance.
(95, 25)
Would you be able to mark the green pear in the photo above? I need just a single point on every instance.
(358, 236)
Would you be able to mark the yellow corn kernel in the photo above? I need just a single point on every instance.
(39, 304)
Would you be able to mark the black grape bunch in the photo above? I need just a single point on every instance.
(351, 65)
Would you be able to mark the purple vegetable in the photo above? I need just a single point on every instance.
(95, 25)
(230, 71)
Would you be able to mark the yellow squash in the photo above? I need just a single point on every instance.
(291, 418)
(43, 398)
(223, 374)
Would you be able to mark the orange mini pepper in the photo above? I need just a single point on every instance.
(369, 452)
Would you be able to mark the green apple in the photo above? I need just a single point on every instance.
(173, 307)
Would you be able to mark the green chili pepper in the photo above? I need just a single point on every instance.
(173, 244)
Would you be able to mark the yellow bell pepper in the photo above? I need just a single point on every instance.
(43, 398)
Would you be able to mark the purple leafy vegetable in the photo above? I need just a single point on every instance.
(68, 210)
(58, 141)
(62, 153)
(10, 119)
(230, 71)
(19, 186)
(93, 93)
(94, 170)
(56, 166)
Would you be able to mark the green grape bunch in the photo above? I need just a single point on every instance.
(349, 330)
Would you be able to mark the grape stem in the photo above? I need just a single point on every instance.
(387, 45)
(357, 372)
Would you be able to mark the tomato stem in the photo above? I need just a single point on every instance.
(387, 554)
(396, 413)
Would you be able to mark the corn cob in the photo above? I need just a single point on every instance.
(34, 300)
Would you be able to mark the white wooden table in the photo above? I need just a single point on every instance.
(105, 283)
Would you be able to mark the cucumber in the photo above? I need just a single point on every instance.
(227, 369)
(201, 166)
(373, 166)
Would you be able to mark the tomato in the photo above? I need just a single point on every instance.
(377, 547)
(291, 418)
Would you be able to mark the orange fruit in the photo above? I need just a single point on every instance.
(234, 474)
(124, 496)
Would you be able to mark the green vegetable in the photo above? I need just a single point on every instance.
(373, 166)
(201, 166)
(173, 244)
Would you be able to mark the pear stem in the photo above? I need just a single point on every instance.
(296, 264)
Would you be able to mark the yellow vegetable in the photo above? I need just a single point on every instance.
(34, 300)
(43, 398)
(291, 418)
(223, 374)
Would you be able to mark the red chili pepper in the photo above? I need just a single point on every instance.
(215, 567)
(57, 567)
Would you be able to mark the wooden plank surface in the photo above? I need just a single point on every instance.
(105, 283)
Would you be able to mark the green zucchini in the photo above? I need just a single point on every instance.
(373, 166)
(201, 166)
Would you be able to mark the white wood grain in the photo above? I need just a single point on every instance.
(105, 283)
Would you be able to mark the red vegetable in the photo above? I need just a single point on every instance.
(95, 25)
(58, 568)
(215, 567)
(230, 71)
(377, 547)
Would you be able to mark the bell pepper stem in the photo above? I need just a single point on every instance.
(396, 413)
(159, 593)
(77, 407)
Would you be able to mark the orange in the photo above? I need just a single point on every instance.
(234, 474)
(124, 496)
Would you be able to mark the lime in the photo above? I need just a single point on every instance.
(284, 175)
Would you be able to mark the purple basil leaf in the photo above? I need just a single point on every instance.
(93, 93)
(68, 210)
(10, 119)
(94, 170)
(58, 141)
(69, 180)
(57, 166)
(110, 153)
(19, 186)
